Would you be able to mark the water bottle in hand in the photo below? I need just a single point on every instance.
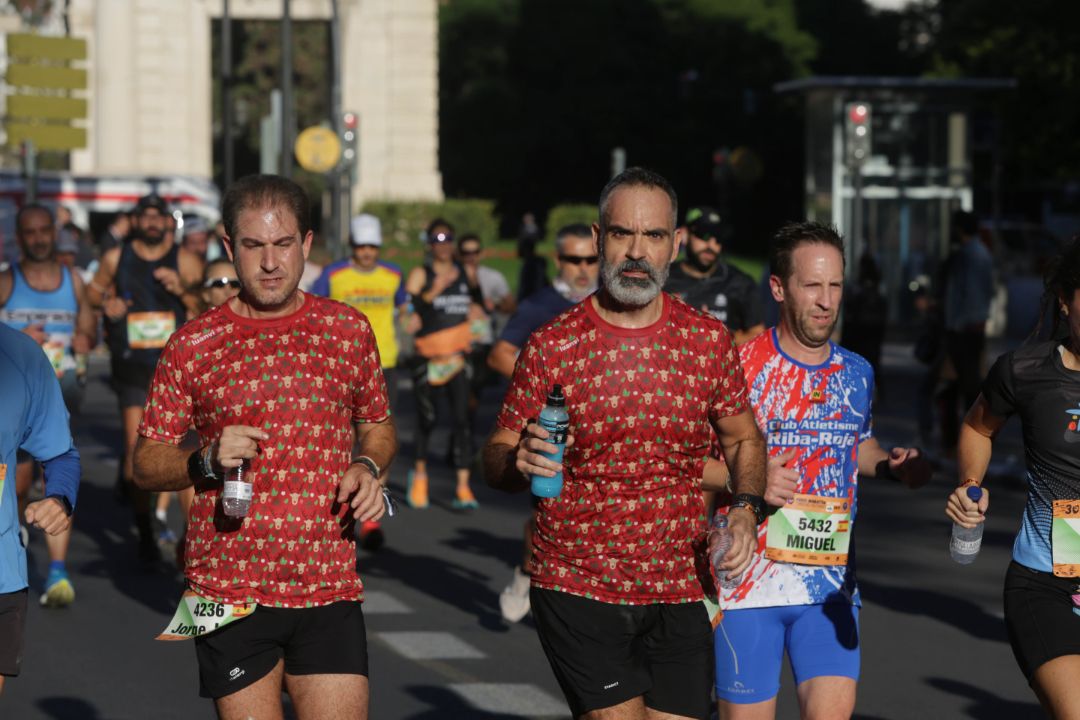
(556, 421)
(236, 497)
(965, 543)
(720, 527)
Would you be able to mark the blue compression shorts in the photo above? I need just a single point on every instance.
(821, 640)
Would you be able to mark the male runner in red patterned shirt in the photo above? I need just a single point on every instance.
(277, 381)
(616, 592)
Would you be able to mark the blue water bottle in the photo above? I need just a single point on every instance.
(556, 421)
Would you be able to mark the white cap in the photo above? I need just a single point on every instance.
(366, 230)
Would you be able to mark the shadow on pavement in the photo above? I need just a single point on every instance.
(449, 582)
(448, 704)
(985, 705)
(68, 708)
(109, 525)
(956, 612)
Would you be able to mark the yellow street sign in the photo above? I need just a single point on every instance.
(45, 137)
(41, 47)
(46, 76)
(45, 107)
(317, 149)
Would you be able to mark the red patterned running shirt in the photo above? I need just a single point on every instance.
(630, 522)
(304, 379)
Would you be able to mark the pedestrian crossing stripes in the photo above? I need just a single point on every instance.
(381, 603)
(430, 646)
(511, 699)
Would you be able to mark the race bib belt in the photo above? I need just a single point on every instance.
(1065, 538)
(150, 330)
(811, 530)
(195, 616)
(55, 351)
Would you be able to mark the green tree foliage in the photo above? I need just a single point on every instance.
(535, 94)
(1038, 43)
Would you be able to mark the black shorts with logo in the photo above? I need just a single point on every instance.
(1039, 616)
(604, 654)
(327, 639)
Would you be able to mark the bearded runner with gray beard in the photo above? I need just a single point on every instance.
(617, 583)
(147, 288)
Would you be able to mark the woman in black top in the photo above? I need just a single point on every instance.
(1040, 382)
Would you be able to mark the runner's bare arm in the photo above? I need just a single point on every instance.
(744, 452)
(101, 287)
(161, 466)
(500, 461)
(359, 487)
(86, 324)
(502, 357)
(191, 271)
(906, 465)
(379, 442)
(7, 285)
(973, 451)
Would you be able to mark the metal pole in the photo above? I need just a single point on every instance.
(339, 206)
(288, 118)
(30, 172)
(226, 95)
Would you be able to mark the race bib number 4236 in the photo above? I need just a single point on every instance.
(811, 530)
(195, 616)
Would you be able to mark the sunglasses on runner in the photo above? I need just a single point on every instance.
(222, 282)
(579, 259)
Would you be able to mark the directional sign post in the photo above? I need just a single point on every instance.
(42, 110)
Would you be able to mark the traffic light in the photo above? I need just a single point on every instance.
(857, 132)
(350, 136)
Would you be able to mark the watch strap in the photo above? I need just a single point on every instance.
(370, 464)
(753, 503)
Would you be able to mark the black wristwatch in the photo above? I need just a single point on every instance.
(753, 503)
(64, 502)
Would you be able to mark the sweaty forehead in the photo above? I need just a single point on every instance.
(265, 222)
(817, 259)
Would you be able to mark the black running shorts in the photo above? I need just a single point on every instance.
(604, 654)
(12, 627)
(327, 639)
(1040, 618)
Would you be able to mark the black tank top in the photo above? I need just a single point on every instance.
(135, 282)
(449, 308)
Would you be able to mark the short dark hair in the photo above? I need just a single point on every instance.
(1062, 281)
(469, 237)
(209, 267)
(437, 222)
(260, 191)
(794, 235)
(580, 230)
(33, 207)
(637, 177)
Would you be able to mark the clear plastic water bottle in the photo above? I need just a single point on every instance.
(720, 527)
(556, 421)
(965, 543)
(236, 497)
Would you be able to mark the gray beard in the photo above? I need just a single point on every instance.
(633, 292)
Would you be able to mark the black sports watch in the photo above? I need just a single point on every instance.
(753, 503)
(64, 502)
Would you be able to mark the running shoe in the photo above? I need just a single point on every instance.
(371, 535)
(58, 590)
(514, 599)
(166, 536)
(465, 500)
(416, 490)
